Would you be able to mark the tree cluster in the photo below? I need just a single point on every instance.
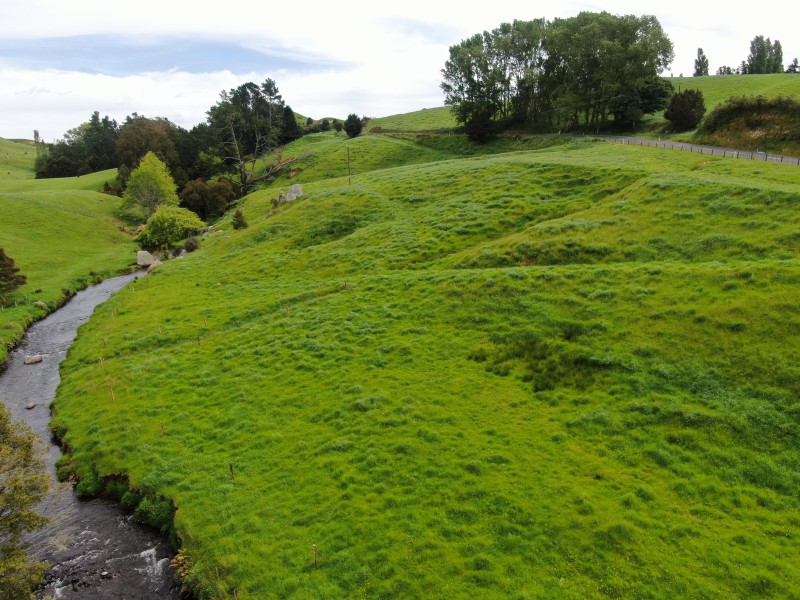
(764, 57)
(585, 70)
(247, 122)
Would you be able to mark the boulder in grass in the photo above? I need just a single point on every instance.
(40, 304)
(156, 263)
(32, 360)
(297, 190)
(144, 258)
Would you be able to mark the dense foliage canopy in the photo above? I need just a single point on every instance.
(168, 226)
(686, 109)
(150, 186)
(559, 73)
(353, 125)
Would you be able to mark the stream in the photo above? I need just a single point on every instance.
(93, 549)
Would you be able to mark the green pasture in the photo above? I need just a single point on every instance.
(62, 234)
(16, 160)
(560, 373)
(426, 119)
(718, 88)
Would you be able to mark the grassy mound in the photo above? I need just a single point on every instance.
(566, 373)
(62, 234)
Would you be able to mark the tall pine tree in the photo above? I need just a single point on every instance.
(700, 64)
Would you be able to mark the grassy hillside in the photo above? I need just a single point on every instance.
(564, 373)
(61, 233)
(422, 120)
(16, 160)
(716, 89)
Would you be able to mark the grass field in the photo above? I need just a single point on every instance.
(61, 233)
(422, 120)
(569, 372)
(717, 89)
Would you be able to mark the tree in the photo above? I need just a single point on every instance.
(23, 484)
(337, 125)
(290, 130)
(724, 70)
(794, 67)
(352, 125)
(471, 87)
(247, 123)
(238, 221)
(150, 186)
(10, 279)
(700, 64)
(207, 200)
(140, 135)
(325, 125)
(650, 97)
(686, 109)
(168, 226)
(777, 58)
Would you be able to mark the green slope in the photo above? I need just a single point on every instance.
(716, 89)
(566, 373)
(61, 233)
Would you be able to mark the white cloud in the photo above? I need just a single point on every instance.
(371, 58)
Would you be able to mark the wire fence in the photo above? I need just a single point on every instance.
(711, 151)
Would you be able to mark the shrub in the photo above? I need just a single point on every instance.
(685, 109)
(168, 226)
(10, 279)
(191, 244)
(238, 221)
(208, 200)
(353, 126)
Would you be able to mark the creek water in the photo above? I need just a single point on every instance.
(93, 549)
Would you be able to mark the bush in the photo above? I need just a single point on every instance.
(191, 244)
(10, 279)
(208, 200)
(168, 226)
(353, 126)
(685, 110)
(238, 221)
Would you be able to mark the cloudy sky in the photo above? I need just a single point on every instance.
(60, 61)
